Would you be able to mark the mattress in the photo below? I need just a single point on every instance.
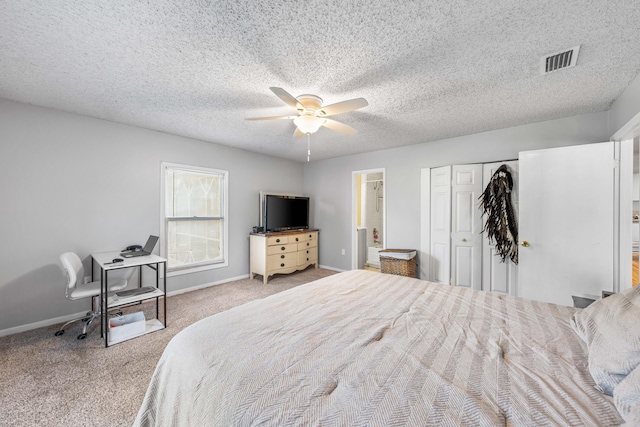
(365, 348)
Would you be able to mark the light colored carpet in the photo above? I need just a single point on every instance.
(60, 381)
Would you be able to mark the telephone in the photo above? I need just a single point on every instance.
(133, 248)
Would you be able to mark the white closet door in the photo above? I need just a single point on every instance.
(466, 225)
(440, 247)
(498, 276)
(566, 222)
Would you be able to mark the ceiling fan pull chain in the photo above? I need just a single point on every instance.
(308, 146)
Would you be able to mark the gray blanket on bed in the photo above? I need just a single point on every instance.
(369, 349)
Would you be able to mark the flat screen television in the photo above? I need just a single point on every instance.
(282, 212)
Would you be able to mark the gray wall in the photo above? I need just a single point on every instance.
(63, 187)
(329, 181)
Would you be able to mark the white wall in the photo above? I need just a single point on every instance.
(626, 106)
(329, 181)
(64, 187)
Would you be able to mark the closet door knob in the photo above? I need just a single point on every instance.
(525, 244)
(464, 240)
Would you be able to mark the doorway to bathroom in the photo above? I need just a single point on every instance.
(369, 218)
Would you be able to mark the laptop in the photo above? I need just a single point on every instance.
(148, 248)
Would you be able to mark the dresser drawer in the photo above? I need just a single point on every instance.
(302, 237)
(275, 262)
(309, 244)
(277, 240)
(308, 255)
(280, 249)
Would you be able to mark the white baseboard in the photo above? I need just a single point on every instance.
(41, 324)
(66, 318)
(206, 285)
(326, 267)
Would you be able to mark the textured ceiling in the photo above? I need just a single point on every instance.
(429, 69)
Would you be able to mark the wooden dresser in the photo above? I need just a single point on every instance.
(282, 252)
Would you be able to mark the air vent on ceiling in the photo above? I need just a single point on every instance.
(560, 60)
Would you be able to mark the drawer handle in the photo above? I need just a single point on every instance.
(307, 259)
(307, 251)
(277, 240)
(310, 236)
(282, 265)
(296, 239)
(307, 244)
(282, 248)
(282, 256)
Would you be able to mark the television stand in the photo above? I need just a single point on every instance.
(282, 252)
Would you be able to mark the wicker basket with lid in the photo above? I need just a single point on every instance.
(401, 262)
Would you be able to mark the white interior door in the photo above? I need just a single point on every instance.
(466, 226)
(566, 222)
(498, 276)
(440, 225)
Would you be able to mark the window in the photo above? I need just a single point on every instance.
(194, 218)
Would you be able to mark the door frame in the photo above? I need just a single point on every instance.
(354, 211)
(627, 136)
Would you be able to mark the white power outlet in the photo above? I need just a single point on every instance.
(87, 279)
(344, 252)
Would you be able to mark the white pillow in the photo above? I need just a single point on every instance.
(611, 329)
(626, 397)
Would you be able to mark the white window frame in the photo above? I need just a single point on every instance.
(164, 222)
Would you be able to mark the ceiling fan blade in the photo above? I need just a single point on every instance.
(286, 97)
(339, 127)
(298, 134)
(342, 107)
(272, 118)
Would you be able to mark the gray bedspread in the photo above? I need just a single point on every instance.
(367, 349)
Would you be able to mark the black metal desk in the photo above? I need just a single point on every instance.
(104, 261)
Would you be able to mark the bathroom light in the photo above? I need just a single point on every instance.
(308, 124)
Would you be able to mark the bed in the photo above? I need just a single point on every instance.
(365, 348)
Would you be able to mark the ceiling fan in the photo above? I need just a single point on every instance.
(312, 115)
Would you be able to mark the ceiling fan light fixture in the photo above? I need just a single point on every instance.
(308, 124)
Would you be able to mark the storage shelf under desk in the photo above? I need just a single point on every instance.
(151, 325)
(113, 301)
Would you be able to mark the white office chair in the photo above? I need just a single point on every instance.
(75, 289)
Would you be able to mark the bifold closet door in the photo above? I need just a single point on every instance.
(499, 276)
(466, 226)
(455, 223)
(440, 225)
